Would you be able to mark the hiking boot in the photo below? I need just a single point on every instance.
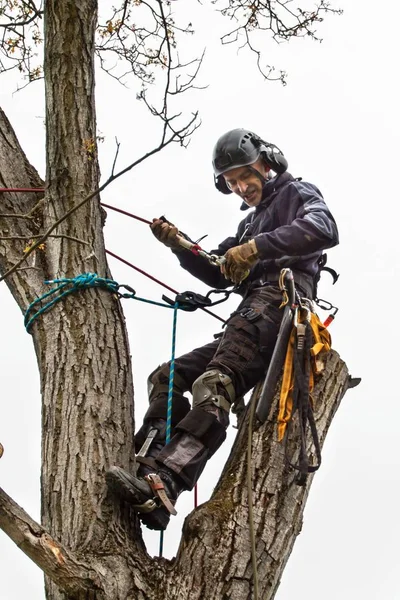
(152, 496)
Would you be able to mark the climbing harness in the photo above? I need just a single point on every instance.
(308, 339)
(301, 338)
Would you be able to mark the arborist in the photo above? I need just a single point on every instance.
(289, 226)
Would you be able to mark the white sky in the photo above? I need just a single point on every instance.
(337, 122)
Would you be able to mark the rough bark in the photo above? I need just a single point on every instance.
(86, 383)
(223, 524)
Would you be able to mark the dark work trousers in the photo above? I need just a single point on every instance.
(243, 352)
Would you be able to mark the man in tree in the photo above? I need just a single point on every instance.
(290, 227)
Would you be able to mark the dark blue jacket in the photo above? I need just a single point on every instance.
(291, 226)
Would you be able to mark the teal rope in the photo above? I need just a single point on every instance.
(171, 375)
(67, 286)
(64, 288)
(170, 394)
(152, 302)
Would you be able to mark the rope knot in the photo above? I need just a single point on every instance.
(65, 287)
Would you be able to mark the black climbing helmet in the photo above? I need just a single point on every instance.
(239, 148)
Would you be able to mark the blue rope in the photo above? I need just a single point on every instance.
(170, 394)
(64, 288)
(67, 286)
(171, 375)
(152, 302)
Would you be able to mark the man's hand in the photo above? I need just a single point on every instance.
(166, 233)
(239, 260)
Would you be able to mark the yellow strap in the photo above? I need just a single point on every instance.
(322, 343)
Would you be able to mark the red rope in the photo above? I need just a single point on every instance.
(124, 212)
(159, 282)
(141, 271)
(128, 214)
(21, 189)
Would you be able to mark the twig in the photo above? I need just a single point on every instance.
(23, 216)
(75, 207)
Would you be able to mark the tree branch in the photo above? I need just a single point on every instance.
(175, 136)
(61, 565)
(277, 504)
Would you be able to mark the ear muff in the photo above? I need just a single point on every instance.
(221, 186)
(274, 158)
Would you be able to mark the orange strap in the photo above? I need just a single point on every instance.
(322, 344)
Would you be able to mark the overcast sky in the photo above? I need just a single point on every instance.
(338, 125)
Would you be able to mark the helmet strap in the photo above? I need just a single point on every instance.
(258, 174)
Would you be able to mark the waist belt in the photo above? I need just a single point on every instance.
(302, 280)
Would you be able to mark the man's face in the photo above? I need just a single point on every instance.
(245, 183)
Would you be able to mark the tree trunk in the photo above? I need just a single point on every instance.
(88, 545)
(226, 572)
(87, 416)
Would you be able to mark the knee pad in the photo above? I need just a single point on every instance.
(213, 387)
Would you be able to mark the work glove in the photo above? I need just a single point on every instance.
(166, 233)
(239, 260)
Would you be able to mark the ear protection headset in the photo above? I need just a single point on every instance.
(240, 148)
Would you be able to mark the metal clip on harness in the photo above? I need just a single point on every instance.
(286, 283)
(191, 301)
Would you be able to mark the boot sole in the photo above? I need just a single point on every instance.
(121, 485)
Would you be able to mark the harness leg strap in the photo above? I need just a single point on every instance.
(158, 488)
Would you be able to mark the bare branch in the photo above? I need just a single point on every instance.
(115, 157)
(145, 48)
(61, 565)
(21, 26)
(276, 17)
(176, 136)
(25, 215)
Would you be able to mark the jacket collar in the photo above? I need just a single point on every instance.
(269, 190)
(273, 185)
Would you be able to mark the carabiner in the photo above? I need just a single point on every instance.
(216, 260)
